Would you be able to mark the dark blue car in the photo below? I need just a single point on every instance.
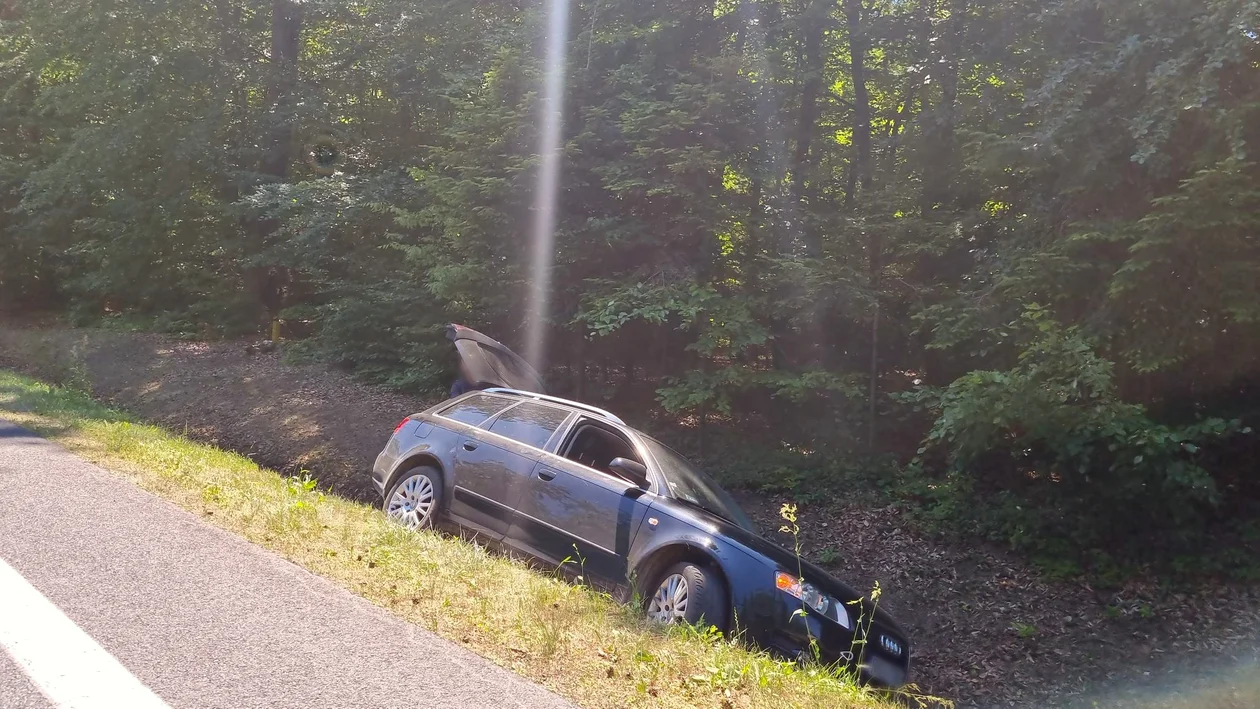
(574, 486)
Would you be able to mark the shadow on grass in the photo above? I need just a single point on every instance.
(67, 405)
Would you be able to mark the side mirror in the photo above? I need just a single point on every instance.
(631, 470)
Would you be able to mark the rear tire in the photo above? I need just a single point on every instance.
(689, 593)
(415, 498)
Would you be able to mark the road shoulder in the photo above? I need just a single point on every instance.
(206, 619)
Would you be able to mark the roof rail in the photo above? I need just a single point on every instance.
(557, 400)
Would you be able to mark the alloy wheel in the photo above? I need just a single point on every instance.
(413, 501)
(669, 604)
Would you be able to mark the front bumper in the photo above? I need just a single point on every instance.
(810, 635)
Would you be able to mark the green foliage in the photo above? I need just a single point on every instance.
(816, 232)
(1024, 631)
(1071, 460)
(828, 556)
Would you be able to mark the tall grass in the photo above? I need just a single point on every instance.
(570, 638)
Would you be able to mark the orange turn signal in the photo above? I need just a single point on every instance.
(787, 582)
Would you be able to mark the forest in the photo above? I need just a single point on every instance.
(997, 260)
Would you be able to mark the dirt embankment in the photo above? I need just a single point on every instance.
(988, 631)
(292, 418)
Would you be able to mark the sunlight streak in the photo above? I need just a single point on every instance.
(546, 196)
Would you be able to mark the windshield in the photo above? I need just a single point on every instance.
(688, 483)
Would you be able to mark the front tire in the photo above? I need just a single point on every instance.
(415, 498)
(689, 593)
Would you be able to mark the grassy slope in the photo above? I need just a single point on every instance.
(569, 638)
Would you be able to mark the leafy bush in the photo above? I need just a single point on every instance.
(1050, 454)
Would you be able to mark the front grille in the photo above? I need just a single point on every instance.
(891, 645)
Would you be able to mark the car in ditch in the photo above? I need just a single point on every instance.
(574, 487)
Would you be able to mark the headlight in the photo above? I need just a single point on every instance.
(804, 590)
(814, 598)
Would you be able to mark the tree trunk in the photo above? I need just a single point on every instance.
(752, 239)
(230, 59)
(941, 164)
(743, 18)
(860, 180)
(811, 73)
(861, 168)
(271, 281)
(703, 430)
(286, 34)
(581, 367)
(627, 366)
(894, 131)
(873, 394)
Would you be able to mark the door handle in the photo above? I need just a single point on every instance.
(546, 475)
(470, 446)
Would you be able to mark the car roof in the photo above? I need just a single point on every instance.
(586, 408)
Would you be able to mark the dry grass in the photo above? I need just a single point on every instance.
(569, 638)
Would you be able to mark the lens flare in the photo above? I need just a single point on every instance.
(1197, 684)
(546, 196)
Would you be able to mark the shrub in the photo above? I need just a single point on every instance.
(1054, 461)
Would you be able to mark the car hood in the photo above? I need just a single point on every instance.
(786, 559)
(791, 563)
(489, 363)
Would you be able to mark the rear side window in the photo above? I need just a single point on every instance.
(529, 423)
(475, 409)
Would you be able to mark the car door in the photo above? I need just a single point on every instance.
(575, 515)
(493, 462)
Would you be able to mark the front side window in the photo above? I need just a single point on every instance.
(475, 409)
(596, 447)
(529, 423)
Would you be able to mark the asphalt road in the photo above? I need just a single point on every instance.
(112, 597)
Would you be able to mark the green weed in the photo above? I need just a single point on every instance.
(1024, 631)
(828, 555)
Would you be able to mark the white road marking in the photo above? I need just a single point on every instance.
(67, 665)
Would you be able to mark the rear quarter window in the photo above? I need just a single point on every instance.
(529, 423)
(475, 409)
